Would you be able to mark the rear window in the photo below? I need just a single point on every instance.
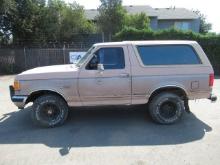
(168, 55)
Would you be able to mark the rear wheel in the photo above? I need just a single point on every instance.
(166, 108)
(49, 111)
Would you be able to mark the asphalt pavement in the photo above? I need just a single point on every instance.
(115, 135)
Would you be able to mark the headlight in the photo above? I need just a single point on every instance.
(17, 86)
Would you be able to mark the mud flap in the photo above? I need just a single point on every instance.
(186, 105)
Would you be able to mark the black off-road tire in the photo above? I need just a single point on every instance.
(49, 111)
(166, 108)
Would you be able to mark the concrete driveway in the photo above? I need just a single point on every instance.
(110, 135)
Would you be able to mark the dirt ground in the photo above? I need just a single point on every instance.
(110, 135)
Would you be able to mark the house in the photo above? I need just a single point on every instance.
(161, 18)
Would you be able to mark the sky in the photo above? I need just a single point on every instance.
(210, 8)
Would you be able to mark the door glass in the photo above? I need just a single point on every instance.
(111, 58)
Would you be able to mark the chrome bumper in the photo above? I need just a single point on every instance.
(18, 100)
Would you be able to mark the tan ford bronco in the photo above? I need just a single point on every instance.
(164, 75)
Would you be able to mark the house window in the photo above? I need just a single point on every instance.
(182, 25)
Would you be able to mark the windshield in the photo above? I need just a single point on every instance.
(83, 59)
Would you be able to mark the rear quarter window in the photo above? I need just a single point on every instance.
(168, 55)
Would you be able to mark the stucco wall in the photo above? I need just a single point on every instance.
(165, 24)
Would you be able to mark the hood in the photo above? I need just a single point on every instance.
(49, 72)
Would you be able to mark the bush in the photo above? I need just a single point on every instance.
(138, 21)
(209, 42)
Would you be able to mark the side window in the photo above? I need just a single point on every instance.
(168, 55)
(111, 58)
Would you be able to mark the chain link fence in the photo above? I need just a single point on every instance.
(23, 55)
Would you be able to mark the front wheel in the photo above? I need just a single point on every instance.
(49, 111)
(166, 108)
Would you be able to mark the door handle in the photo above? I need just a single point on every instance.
(124, 75)
(99, 81)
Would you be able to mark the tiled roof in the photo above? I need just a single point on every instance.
(160, 13)
(138, 9)
(176, 13)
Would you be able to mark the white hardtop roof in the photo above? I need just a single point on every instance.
(150, 42)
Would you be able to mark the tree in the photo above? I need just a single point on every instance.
(26, 19)
(137, 21)
(7, 7)
(111, 16)
(74, 22)
(205, 27)
(64, 22)
(35, 20)
(51, 20)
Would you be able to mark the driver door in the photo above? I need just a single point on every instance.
(110, 84)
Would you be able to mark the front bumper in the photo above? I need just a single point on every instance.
(18, 100)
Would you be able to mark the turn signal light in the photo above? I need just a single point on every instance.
(16, 85)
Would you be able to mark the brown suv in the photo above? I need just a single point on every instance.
(164, 74)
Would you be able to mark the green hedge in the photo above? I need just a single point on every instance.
(209, 42)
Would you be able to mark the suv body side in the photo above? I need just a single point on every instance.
(133, 84)
(192, 79)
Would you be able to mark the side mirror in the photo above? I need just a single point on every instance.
(93, 63)
(100, 67)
